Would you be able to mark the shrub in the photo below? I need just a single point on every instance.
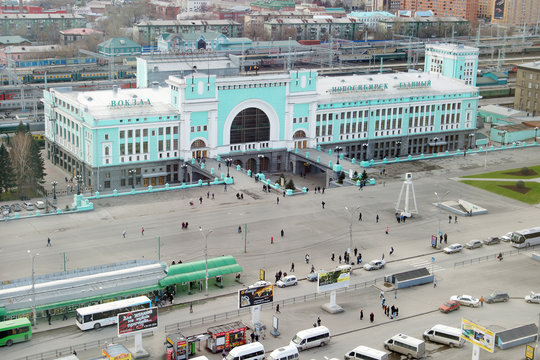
(364, 175)
(290, 185)
(520, 184)
(341, 177)
(526, 171)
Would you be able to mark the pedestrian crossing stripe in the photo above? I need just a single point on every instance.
(423, 263)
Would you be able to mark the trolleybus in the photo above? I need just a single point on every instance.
(96, 316)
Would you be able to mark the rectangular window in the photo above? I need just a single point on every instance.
(145, 132)
(168, 144)
(122, 134)
(130, 148)
(160, 131)
(137, 133)
(193, 129)
(175, 130)
(138, 147)
(205, 128)
(130, 133)
(168, 131)
(145, 146)
(175, 144)
(160, 145)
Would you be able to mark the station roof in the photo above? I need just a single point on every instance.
(412, 274)
(438, 85)
(535, 65)
(517, 332)
(500, 110)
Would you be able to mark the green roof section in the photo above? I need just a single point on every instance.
(13, 40)
(208, 36)
(274, 5)
(196, 270)
(119, 42)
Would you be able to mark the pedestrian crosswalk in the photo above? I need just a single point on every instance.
(425, 262)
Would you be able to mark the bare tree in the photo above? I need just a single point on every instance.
(289, 32)
(21, 161)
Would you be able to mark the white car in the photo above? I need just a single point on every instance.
(506, 237)
(466, 300)
(260, 283)
(374, 265)
(473, 244)
(454, 248)
(289, 280)
(533, 298)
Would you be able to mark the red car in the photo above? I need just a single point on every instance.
(448, 306)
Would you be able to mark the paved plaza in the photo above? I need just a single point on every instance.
(95, 238)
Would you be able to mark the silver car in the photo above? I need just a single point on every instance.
(473, 244)
(454, 248)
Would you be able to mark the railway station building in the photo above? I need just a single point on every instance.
(115, 137)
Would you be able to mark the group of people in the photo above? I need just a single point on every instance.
(346, 257)
(280, 275)
(185, 225)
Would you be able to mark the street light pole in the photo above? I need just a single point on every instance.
(78, 178)
(33, 257)
(439, 206)
(338, 149)
(132, 173)
(205, 235)
(261, 157)
(184, 169)
(351, 213)
(535, 135)
(398, 144)
(365, 146)
(228, 161)
(54, 183)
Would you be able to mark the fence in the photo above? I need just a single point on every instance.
(494, 256)
(194, 322)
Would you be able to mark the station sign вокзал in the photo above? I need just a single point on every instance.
(255, 296)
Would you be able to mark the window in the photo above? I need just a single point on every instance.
(160, 131)
(145, 132)
(138, 133)
(106, 136)
(250, 125)
(122, 134)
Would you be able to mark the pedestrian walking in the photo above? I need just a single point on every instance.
(371, 317)
(361, 314)
(391, 250)
(271, 239)
(200, 200)
(395, 294)
(312, 269)
(142, 231)
(277, 308)
(397, 311)
(282, 233)
(355, 251)
(386, 230)
(213, 196)
(292, 267)
(377, 218)
(445, 238)
(208, 194)
(49, 242)
(449, 219)
(434, 283)
(318, 321)
(381, 295)
(359, 216)
(252, 337)
(307, 258)
(219, 166)
(455, 219)
(382, 257)
(323, 189)
(124, 233)
(339, 258)
(49, 317)
(333, 257)
(277, 200)
(482, 301)
(323, 203)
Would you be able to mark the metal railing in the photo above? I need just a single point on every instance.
(52, 354)
(494, 256)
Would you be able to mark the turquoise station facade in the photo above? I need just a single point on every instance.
(118, 137)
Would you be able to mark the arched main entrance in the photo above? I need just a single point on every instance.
(300, 139)
(251, 164)
(198, 149)
(250, 125)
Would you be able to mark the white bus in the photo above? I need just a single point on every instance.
(406, 345)
(96, 316)
(526, 238)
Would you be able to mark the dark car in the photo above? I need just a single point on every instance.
(492, 240)
(497, 297)
(448, 306)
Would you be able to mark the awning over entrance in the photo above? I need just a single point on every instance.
(194, 271)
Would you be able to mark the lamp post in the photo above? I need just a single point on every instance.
(435, 140)
(398, 145)
(228, 162)
(351, 213)
(439, 206)
(205, 235)
(365, 147)
(338, 150)
(33, 257)
(471, 136)
(78, 178)
(504, 137)
(535, 134)
(132, 172)
(184, 170)
(261, 157)
(54, 183)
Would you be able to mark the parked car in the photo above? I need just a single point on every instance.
(374, 265)
(507, 237)
(466, 300)
(28, 206)
(533, 297)
(497, 297)
(6, 209)
(315, 275)
(448, 306)
(289, 280)
(473, 244)
(345, 267)
(16, 207)
(260, 283)
(454, 248)
(492, 240)
(40, 204)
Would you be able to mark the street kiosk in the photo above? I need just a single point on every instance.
(177, 345)
(226, 337)
(116, 352)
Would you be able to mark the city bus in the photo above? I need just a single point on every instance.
(14, 331)
(96, 316)
(525, 238)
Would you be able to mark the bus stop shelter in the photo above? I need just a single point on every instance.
(410, 278)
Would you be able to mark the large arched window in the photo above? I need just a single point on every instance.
(198, 144)
(250, 125)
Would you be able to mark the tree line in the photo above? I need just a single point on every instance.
(22, 168)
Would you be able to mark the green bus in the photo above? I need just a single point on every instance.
(14, 331)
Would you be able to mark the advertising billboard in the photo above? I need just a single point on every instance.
(498, 11)
(478, 335)
(333, 280)
(137, 320)
(255, 296)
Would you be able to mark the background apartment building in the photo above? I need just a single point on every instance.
(467, 9)
(527, 96)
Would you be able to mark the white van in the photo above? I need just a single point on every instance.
(317, 336)
(199, 358)
(253, 351)
(288, 352)
(446, 335)
(366, 353)
(406, 345)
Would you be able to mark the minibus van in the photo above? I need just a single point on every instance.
(288, 352)
(406, 345)
(443, 334)
(253, 351)
(306, 339)
(366, 353)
